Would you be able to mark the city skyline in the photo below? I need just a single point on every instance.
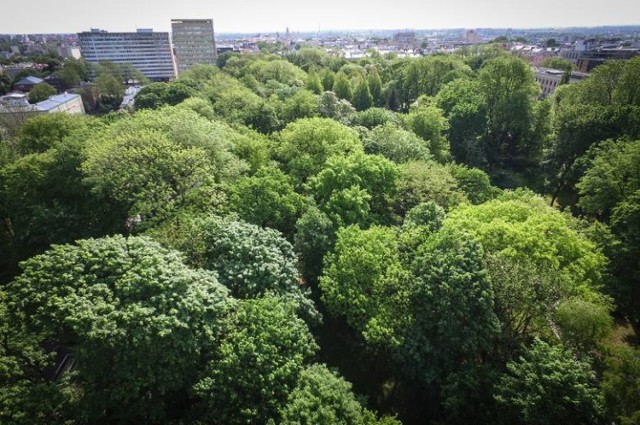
(275, 16)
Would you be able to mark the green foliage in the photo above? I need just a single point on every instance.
(428, 214)
(510, 143)
(155, 95)
(547, 386)
(426, 76)
(466, 111)
(305, 145)
(396, 144)
(517, 225)
(373, 174)
(188, 129)
(621, 384)
(111, 301)
(427, 181)
(429, 123)
(583, 324)
(323, 397)
(303, 104)
(332, 107)
(364, 282)
(313, 83)
(474, 183)
(42, 197)
(149, 175)
(44, 131)
(362, 98)
(451, 304)
(612, 176)
(249, 260)
(257, 364)
(5, 84)
(267, 199)
(375, 86)
(314, 237)
(278, 70)
(41, 92)
(374, 117)
(342, 87)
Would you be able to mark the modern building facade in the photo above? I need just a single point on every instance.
(193, 42)
(147, 51)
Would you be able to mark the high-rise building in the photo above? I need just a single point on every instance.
(193, 42)
(147, 51)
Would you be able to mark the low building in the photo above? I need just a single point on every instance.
(16, 103)
(27, 83)
(550, 79)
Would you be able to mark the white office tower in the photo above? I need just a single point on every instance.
(147, 51)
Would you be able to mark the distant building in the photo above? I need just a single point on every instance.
(193, 42)
(550, 79)
(65, 102)
(405, 40)
(147, 51)
(472, 37)
(27, 83)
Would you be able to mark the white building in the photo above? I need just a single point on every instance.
(193, 42)
(147, 51)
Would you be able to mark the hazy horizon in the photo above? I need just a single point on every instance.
(253, 16)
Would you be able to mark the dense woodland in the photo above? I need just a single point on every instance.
(301, 239)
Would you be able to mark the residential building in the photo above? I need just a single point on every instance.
(193, 42)
(147, 51)
(550, 79)
(27, 83)
(16, 103)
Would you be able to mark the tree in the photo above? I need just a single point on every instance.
(396, 144)
(314, 237)
(155, 95)
(583, 324)
(375, 86)
(373, 174)
(267, 199)
(342, 87)
(548, 386)
(313, 83)
(41, 92)
(426, 76)
(611, 177)
(364, 282)
(109, 301)
(332, 107)
(466, 111)
(303, 104)
(362, 98)
(257, 364)
(374, 117)
(621, 384)
(427, 181)
(429, 123)
(517, 225)
(250, 261)
(451, 308)
(149, 175)
(509, 89)
(305, 145)
(474, 183)
(5, 84)
(323, 397)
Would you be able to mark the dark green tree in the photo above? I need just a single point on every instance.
(547, 386)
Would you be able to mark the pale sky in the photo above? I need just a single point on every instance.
(69, 16)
